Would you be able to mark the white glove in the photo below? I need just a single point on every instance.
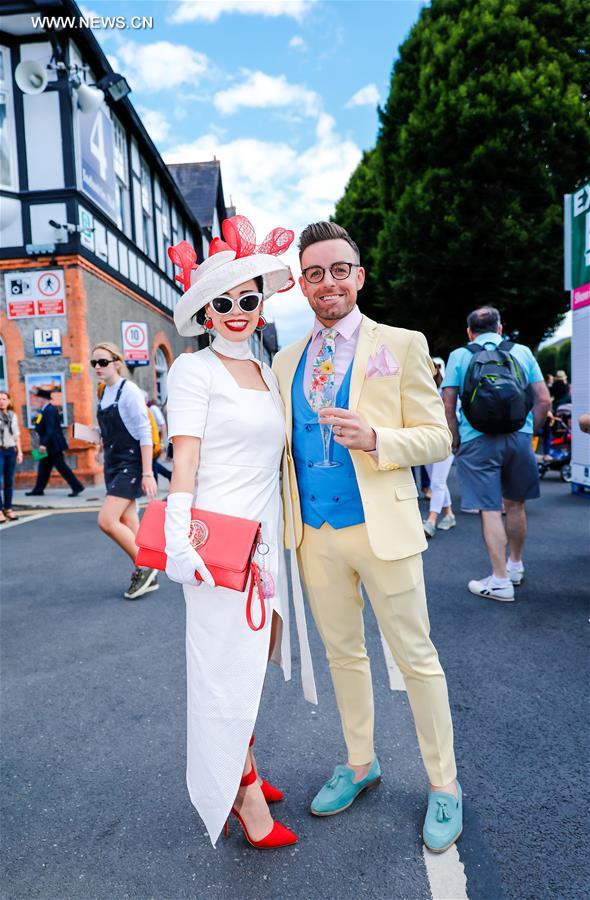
(183, 559)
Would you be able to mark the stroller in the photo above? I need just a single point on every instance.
(560, 452)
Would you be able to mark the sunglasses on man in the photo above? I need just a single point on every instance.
(247, 303)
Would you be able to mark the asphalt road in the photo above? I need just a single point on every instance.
(93, 733)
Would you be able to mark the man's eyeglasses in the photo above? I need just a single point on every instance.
(338, 270)
(103, 363)
(247, 303)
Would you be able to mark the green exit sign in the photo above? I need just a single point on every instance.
(577, 238)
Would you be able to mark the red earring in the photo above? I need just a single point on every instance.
(208, 323)
(261, 323)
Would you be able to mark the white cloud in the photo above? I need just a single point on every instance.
(366, 96)
(155, 123)
(211, 10)
(261, 91)
(297, 43)
(273, 184)
(161, 65)
(88, 13)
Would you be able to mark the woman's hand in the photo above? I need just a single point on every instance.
(19, 457)
(182, 565)
(149, 485)
(183, 559)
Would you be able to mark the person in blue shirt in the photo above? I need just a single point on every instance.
(496, 467)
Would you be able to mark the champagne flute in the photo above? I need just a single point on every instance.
(324, 398)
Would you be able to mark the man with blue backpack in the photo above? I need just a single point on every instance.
(504, 400)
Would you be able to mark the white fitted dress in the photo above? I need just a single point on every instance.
(242, 439)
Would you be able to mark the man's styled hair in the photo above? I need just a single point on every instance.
(484, 319)
(325, 231)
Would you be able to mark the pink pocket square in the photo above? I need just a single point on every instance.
(382, 363)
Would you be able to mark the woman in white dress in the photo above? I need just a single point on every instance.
(225, 419)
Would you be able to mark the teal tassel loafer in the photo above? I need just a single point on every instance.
(341, 791)
(444, 820)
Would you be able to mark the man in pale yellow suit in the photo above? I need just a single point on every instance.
(360, 522)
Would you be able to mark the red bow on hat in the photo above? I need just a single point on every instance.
(240, 237)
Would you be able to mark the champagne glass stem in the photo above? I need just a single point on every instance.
(326, 431)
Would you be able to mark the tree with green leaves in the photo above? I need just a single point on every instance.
(485, 128)
(359, 211)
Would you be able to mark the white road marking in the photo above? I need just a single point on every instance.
(22, 520)
(396, 679)
(446, 874)
(445, 871)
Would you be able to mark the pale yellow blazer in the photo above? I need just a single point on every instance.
(407, 414)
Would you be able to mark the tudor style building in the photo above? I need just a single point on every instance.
(87, 210)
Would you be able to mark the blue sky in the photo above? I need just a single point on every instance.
(283, 92)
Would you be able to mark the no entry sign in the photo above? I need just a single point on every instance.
(135, 343)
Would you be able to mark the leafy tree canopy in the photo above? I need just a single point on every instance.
(485, 128)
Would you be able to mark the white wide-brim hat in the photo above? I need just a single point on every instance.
(222, 272)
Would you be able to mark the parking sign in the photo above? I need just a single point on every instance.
(47, 342)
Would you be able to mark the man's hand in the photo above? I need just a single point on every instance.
(42, 448)
(350, 428)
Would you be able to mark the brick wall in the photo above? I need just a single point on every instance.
(96, 304)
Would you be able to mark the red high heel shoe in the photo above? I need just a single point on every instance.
(280, 836)
(271, 793)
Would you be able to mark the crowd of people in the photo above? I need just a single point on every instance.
(343, 416)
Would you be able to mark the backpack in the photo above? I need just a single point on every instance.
(156, 445)
(496, 397)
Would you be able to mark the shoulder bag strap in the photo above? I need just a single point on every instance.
(255, 579)
(122, 385)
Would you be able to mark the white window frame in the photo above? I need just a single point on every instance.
(161, 368)
(9, 122)
(4, 377)
(120, 151)
(146, 187)
(121, 162)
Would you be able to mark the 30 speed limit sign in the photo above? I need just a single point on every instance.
(135, 343)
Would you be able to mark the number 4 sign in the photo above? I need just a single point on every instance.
(135, 343)
(97, 159)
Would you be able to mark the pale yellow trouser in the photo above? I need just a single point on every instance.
(333, 562)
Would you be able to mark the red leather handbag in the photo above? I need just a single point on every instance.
(225, 543)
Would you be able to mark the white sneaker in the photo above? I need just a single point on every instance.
(429, 528)
(484, 588)
(446, 523)
(515, 572)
